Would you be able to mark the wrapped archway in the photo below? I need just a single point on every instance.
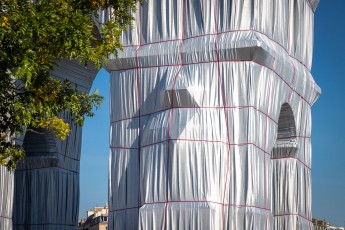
(286, 143)
(291, 187)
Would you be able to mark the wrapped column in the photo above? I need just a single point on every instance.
(6, 198)
(46, 194)
(210, 116)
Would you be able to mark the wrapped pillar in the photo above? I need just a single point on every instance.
(46, 194)
(6, 198)
(210, 116)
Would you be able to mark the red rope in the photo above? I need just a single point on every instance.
(265, 144)
(197, 107)
(223, 107)
(221, 86)
(214, 202)
(45, 167)
(213, 141)
(227, 61)
(308, 211)
(225, 32)
(69, 225)
(171, 116)
(192, 201)
(139, 94)
(293, 214)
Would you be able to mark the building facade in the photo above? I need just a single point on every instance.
(324, 225)
(97, 219)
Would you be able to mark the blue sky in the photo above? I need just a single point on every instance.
(95, 151)
(328, 113)
(328, 133)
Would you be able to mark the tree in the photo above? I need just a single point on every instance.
(34, 34)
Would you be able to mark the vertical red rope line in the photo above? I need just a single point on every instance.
(266, 136)
(294, 73)
(289, 23)
(290, 95)
(217, 16)
(312, 79)
(289, 46)
(292, 81)
(308, 214)
(139, 95)
(171, 116)
(289, 53)
(265, 154)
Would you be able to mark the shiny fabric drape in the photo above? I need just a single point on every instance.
(199, 95)
(46, 191)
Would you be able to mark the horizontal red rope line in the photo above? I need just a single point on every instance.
(124, 147)
(147, 114)
(185, 64)
(192, 201)
(71, 225)
(192, 140)
(201, 107)
(292, 214)
(45, 167)
(224, 32)
(214, 202)
(228, 61)
(72, 158)
(155, 143)
(212, 141)
(75, 159)
(250, 143)
(295, 158)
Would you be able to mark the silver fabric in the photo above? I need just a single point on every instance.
(46, 194)
(6, 199)
(210, 116)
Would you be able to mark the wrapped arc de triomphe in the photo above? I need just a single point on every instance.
(210, 124)
(210, 116)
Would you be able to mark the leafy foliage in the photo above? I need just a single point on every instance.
(34, 34)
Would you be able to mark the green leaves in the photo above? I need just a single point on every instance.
(33, 35)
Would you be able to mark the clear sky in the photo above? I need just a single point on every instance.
(328, 133)
(95, 151)
(328, 113)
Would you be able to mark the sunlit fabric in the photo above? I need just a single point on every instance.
(211, 116)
